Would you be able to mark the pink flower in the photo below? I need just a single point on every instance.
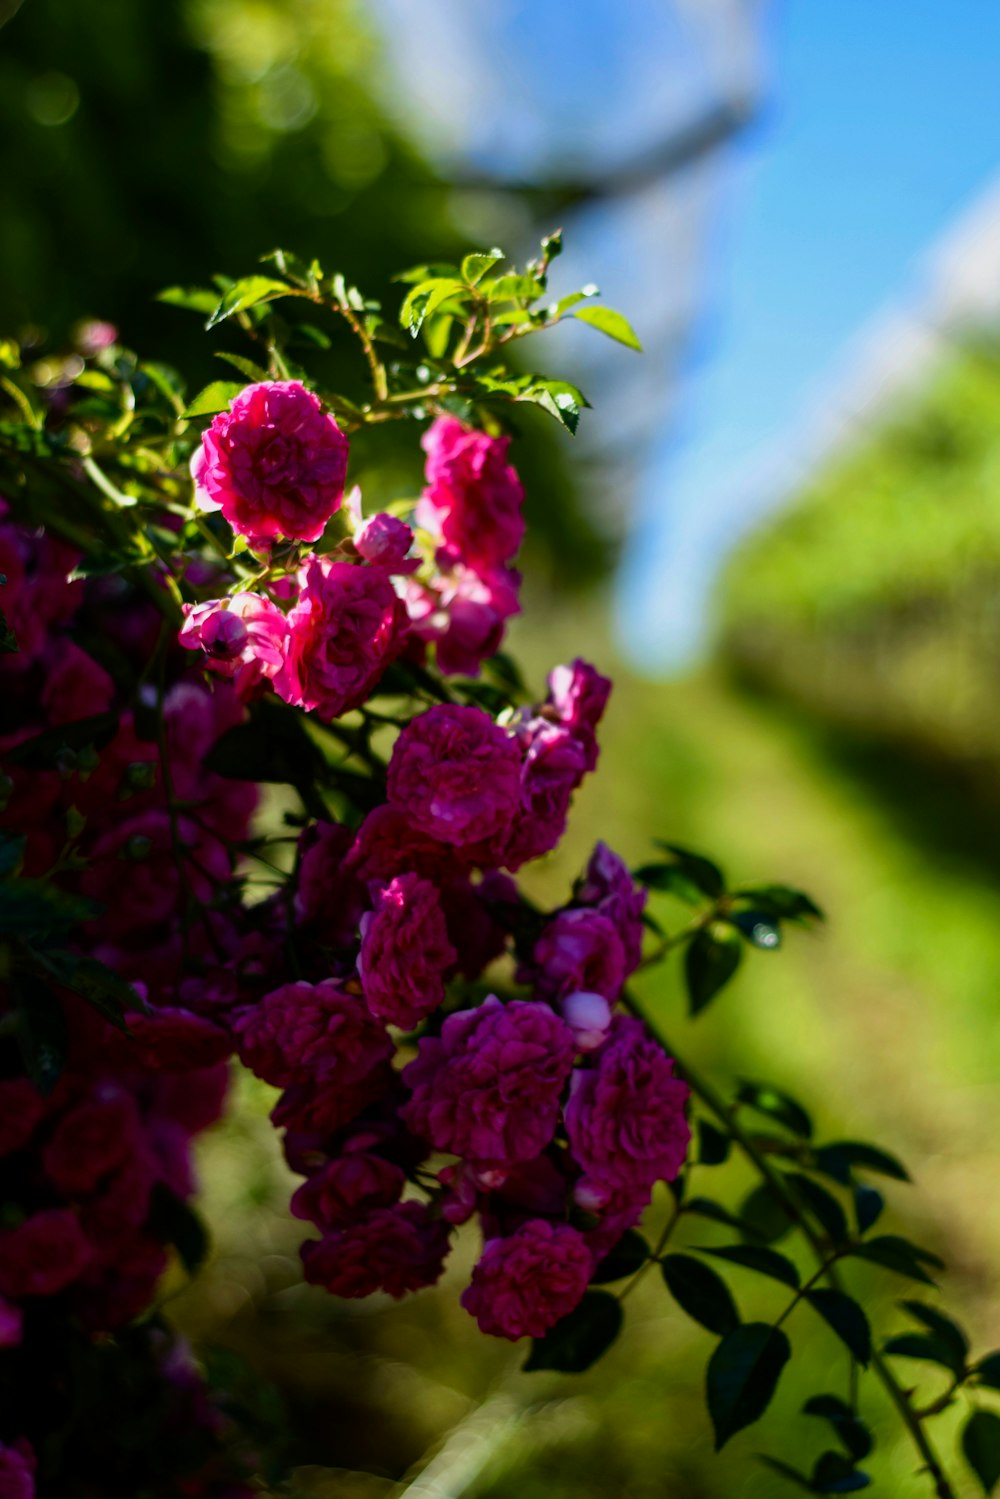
(525, 1284)
(393, 1249)
(346, 1188)
(133, 871)
(343, 632)
(608, 887)
(330, 898)
(274, 463)
(175, 1040)
(91, 1140)
(578, 696)
(405, 952)
(17, 1471)
(244, 637)
(42, 1255)
(554, 765)
(625, 1117)
(488, 1088)
(305, 1033)
(323, 1108)
(386, 540)
(387, 844)
(76, 686)
(464, 612)
(22, 1109)
(579, 949)
(11, 1327)
(473, 497)
(455, 774)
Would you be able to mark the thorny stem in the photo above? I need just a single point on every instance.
(713, 1101)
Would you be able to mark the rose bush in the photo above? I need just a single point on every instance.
(191, 610)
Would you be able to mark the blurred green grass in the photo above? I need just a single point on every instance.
(884, 1023)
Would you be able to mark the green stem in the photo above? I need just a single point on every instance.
(773, 1177)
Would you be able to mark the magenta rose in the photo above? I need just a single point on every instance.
(473, 498)
(608, 888)
(22, 1109)
(91, 1140)
(554, 765)
(626, 1114)
(42, 1255)
(309, 1033)
(343, 632)
(578, 696)
(455, 774)
(17, 1471)
(274, 463)
(488, 1088)
(11, 1326)
(330, 899)
(243, 637)
(526, 1283)
(347, 1188)
(386, 541)
(579, 950)
(388, 844)
(169, 1039)
(393, 1249)
(464, 613)
(405, 952)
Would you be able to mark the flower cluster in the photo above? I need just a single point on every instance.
(274, 464)
(109, 803)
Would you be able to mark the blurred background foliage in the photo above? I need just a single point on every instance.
(847, 739)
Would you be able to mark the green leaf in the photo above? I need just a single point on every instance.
(704, 1207)
(247, 293)
(825, 1208)
(41, 1032)
(981, 1445)
(100, 986)
(514, 289)
(710, 960)
(703, 874)
(927, 1346)
(987, 1371)
(758, 928)
(755, 1257)
(849, 1429)
(868, 1205)
(944, 1327)
(847, 1319)
(610, 323)
(774, 1104)
(743, 1374)
(194, 298)
(671, 880)
(713, 1145)
(245, 366)
(560, 399)
(475, 266)
(895, 1253)
(173, 1221)
(213, 399)
(425, 298)
(764, 1216)
(629, 1255)
(579, 1339)
(834, 1474)
(433, 272)
(34, 909)
(841, 1157)
(783, 902)
(701, 1293)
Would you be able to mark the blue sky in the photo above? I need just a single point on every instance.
(882, 124)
